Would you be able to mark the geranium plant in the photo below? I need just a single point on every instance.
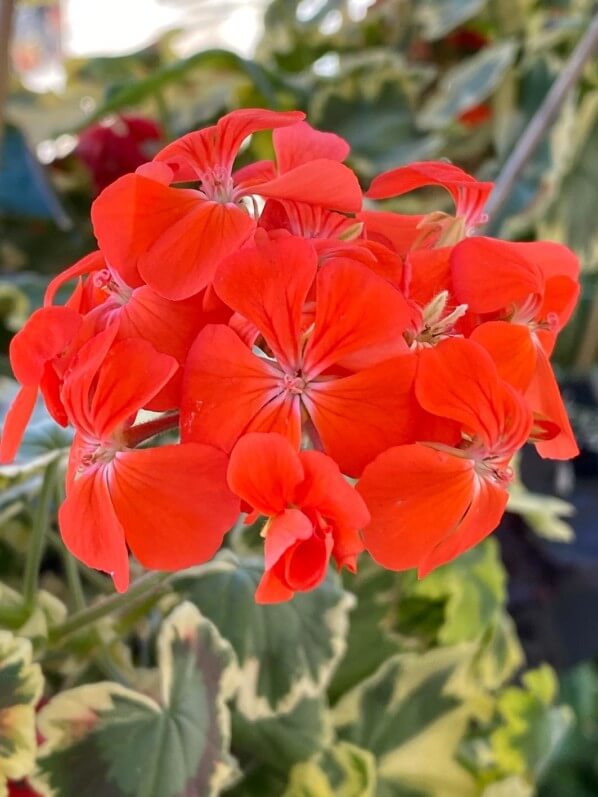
(259, 347)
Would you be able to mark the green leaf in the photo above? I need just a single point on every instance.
(411, 714)
(112, 741)
(500, 655)
(343, 770)
(466, 85)
(133, 93)
(375, 117)
(570, 219)
(439, 17)
(370, 640)
(472, 588)
(531, 729)
(34, 624)
(286, 739)
(21, 685)
(510, 787)
(286, 651)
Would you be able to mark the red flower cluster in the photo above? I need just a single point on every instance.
(295, 339)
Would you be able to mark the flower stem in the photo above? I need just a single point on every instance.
(73, 577)
(41, 523)
(143, 431)
(140, 589)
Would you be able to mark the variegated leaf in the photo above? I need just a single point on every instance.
(21, 685)
(111, 741)
(286, 651)
(412, 714)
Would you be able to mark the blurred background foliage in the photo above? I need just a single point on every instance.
(382, 686)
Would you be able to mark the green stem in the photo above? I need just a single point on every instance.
(138, 590)
(73, 578)
(41, 523)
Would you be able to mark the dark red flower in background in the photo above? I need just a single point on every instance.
(116, 146)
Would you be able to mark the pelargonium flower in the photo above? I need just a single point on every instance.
(170, 504)
(345, 376)
(313, 512)
(173, 239)
(529, 298)
(431, 501)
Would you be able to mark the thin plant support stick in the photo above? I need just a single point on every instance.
(41, 523)
(6, 15)
(538, 126)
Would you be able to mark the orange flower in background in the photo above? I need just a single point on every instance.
(313, 513)
(429, 502)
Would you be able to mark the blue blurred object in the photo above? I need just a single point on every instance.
(24, 187)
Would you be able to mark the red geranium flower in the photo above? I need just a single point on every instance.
(430, 501)
(171, 504)
(337, 365)
(525, 292)
(173, 239)
(313, 512)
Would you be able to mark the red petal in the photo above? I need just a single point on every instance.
(272, 590)
(171, 327)
(284, 531)
(173, 503)
(325, 490)
(464, 188)
(90, 528)
(457, 379)
(258, 172)
(224, 388)
(319, 182)
(305, 565)
(15, 422)
(512, 350)
(268, 285)
(183, 260)
(544, 397)
(361, 415)
(301, 143)
(355, 334)
(46, 335)
(203, 150)
(416, 496)
(482, 518)
(94, 261)
(398, 232)
(130, 375)
(172, 238)
(264, 470)
(490, 275)
(430, 273)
